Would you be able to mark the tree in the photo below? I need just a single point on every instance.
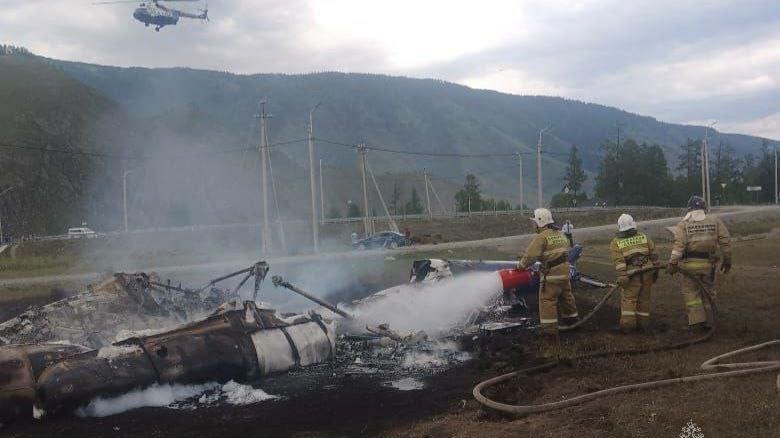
(574, 175)
(414, 206)
(634, 175)
(470, 196)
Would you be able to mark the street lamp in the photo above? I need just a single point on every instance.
(124, 193)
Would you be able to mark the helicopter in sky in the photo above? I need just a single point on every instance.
(154, 12)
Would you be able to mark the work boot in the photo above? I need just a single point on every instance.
(569, 321)
(698, 327)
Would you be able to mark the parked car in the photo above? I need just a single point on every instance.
(384, 239)
(76, 233)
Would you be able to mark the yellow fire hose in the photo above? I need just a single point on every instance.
(735, 369)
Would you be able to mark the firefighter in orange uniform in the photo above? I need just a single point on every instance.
(697, 239)
(632, 250)
(551, 248)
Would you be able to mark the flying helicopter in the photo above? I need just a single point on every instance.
(157, 14)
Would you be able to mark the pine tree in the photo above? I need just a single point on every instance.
(574, 175)
(470, 195)
(414, 206)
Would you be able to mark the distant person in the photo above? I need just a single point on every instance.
(353, 238)
(568, 230)
(549, 247)
(632, 250)
(697, 239)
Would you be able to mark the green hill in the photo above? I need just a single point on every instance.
(196, 130)
(43, 107)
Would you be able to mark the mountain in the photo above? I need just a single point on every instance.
(189, 137)
(218, 108)
(43, 107)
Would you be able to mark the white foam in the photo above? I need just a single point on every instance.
(157, 396)
(38, 413)
(438, 355)
(406, 384)
(153, 396)
(238, 394)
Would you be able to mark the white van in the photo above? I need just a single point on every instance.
(75, 233)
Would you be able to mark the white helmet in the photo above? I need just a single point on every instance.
(542, 217)
(626, 222)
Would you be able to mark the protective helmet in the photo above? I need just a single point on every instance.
(697, 203)
(542, 217)
(626, 222)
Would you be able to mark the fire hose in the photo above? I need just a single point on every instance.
(734, 369)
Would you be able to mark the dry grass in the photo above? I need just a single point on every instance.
(740, 407)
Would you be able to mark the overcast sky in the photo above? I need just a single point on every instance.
(680, 61)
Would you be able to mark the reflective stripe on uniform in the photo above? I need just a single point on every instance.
(548, 321)
(676, 253)
(694, 303)
(639, 239)
(627, 312)
(643, 313)
(573, 315)
(697, 263)
(556, 277)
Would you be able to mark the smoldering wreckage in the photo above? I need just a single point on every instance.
(132, 331)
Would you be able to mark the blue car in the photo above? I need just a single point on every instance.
(385, 239)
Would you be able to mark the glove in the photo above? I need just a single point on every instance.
(672, 269)
(622, 280)
(725, 267)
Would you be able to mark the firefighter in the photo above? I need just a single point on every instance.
(697, 239)
(633, 250)
(551, 248)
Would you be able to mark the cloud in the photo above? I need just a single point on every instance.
(674, 60)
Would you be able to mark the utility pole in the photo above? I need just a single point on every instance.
(705, 166)
(322, 198)
(314, 225)
(124, 194)
(776, 196)
(366, 225)
(539, 197)
(427, 196)
(263, 149)
(520, 160)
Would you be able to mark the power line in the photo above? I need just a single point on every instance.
(143, 157)
(420, 153)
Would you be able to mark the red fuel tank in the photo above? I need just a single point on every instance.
(513, 279)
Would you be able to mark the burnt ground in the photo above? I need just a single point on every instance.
(327, 404)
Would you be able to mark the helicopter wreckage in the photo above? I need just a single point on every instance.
(59, 357)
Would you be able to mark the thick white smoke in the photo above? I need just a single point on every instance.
(433, 308)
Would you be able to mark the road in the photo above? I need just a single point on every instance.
(509, 244)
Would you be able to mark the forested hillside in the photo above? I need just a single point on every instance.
(186, 141)
(218, 109)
